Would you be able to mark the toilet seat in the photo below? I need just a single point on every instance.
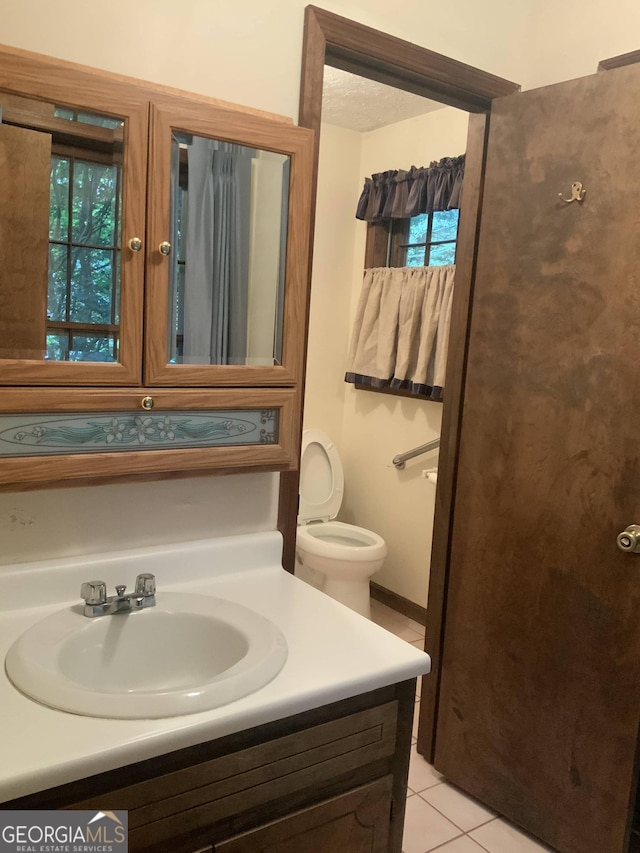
(336, 540)
(321, 478)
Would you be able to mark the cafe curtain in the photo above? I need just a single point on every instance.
(401, 330)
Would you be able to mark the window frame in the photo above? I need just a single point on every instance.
(388, 240)
(70, 328)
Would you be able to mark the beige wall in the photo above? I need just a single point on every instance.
(568, 39)
(264, 261)
(378, 427)
(369, 429)
(250, 54)
(437, 134)
(339, 185)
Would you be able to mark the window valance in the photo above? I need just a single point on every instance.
(400, 194)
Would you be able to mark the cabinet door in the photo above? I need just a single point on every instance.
(72, 195)
(355, 822)
(227, 248)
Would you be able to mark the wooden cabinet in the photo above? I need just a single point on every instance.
(281, 363)
(35, 93)
(330, 779)
(101, 266)
(357, 821)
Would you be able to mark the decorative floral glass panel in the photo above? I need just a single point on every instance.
(33, 435)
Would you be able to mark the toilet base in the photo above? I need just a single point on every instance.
(352, 593)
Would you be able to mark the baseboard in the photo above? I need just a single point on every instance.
(397, 602)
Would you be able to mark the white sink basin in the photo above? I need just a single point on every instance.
(188, 653)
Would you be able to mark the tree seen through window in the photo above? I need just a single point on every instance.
(84, 252)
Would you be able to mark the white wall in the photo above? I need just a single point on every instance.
(250, 53)
(74, 521)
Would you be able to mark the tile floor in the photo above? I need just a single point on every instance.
(439, 816)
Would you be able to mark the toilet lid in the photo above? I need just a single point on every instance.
(321, 478)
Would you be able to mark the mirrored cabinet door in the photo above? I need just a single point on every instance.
(227, 247)
(72, 167)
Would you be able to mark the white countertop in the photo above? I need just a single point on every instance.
(333, 654)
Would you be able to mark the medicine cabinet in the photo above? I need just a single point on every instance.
(154, 257)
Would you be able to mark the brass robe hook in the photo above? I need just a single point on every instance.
(577, 193)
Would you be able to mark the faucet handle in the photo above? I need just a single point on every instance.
(94, 592)
(145, 584)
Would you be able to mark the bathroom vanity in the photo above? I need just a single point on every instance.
(315, 760)
(316, 757)
(330, 779)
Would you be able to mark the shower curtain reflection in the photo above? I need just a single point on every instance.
(228, 223)
(212, 226)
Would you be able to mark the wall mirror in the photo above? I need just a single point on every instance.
(199, 261)
(228, 223)
(226, 247)
(61, 190)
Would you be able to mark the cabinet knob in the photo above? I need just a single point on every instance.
(147, 403)
(164, 248)
(135, 244)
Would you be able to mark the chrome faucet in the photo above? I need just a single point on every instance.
(98, 603)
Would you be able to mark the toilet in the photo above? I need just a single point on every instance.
(344, 555)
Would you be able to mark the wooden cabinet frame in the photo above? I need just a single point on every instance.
(34, 386)
(83, 468)
(251, 131)
(49, 80)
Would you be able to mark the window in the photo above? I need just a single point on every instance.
(84, 247)
(428, 239)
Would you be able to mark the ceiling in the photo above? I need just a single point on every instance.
(357, 103)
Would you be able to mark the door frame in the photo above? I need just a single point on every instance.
(339, 42)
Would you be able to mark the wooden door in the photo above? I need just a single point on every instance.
(539, 699)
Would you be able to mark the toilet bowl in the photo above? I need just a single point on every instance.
(345, 556)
